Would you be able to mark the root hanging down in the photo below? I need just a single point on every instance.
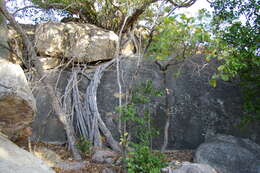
(82, 108)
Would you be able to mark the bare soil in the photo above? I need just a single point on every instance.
(90, 167)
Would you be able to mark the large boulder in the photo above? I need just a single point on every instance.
(104, 156)
(82, 42)
(187, 167)
(16, 43)
(108, 96)
(16, 160)
(17, 104)
(53, 160)
(46, 126)
(229, 154)
(199, 110)
(192, 102)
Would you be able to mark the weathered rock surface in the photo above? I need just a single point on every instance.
(4, 52)
(198, 110)
(54, 160)
(16, 44)
(228, 154)
(17, 104)
(187, 167)
(46, 127)
(191, 100)
(82, 42)
(49, 62)
(108, 170)
(107, 96)
(16, 160)
(104, 156)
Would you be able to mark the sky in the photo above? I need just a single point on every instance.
(191, 11)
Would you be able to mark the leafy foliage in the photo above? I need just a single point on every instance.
(106, 14)
(232, 37)
(137, 112)
(236, 44)
(143, 160)
(84, 145)
(180, 36)
(111, 14)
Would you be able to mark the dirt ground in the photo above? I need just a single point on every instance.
(90, 167)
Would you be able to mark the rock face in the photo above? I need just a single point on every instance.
(53, 160)
(16, 160)
(188, 167)
(4, 52)
(82, 42)
(103, 156)
(107, 96)
(191, 101)
(46, 127)
(15, 42)
(228, 154)
(17, 104)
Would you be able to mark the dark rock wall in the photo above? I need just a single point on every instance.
(108, 91)
(196, 109)
(46, 126)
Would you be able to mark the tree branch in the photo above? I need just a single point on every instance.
(186, 3)
(139, 11)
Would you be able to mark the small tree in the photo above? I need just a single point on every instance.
(180, 37)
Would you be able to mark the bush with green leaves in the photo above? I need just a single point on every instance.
(137, 113)
(84, 145)
(137, 117)
(143, 160)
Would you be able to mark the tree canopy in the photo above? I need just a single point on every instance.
(236, 27)
(112, 14)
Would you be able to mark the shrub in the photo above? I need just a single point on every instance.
(84, 145)
(143, 160)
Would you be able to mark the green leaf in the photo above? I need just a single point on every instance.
(221, 68)
(208, 58)
(224, 77)
(213, 83)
